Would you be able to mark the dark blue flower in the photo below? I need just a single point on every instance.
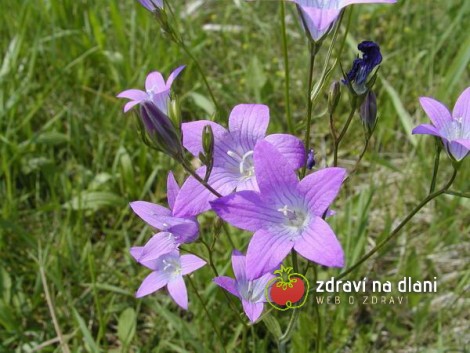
(362, 67)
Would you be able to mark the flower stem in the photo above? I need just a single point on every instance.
(343, 131)
(356, 166)
(458, 193)
(317, 314)
(214, 327)
(313, 51)
(188, 168)
(290, 125)
(436, 166)
(396, 231)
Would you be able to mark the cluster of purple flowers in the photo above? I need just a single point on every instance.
(256, 175)
(252, 181)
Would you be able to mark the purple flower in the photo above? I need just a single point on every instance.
(156, 91)
(174, 230)
(318, 16)
(233, 155)
(152, 5)
(285, 213)
(362, 67)
(454, 130)
(250, 292)
(168, 270)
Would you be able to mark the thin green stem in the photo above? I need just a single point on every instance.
(458, 193)
(396, 231)
(313, 52)
(214, 326)
(343, 131)
(290, 124)
(188, 168)
(358, 162)
(317, 314)
(436, 166)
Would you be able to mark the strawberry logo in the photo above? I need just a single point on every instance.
(288, 290)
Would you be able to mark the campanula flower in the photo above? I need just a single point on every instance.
(156, 91)
(362, 67)
(453, 129)
(233, 167)
(174, 230)
(168, 270)
(285, 213)
(152, 5)
(250, 292)
(318, 16)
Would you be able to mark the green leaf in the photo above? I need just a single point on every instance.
(203, 103)
(126, 326)
(93, 200)
(272, 325)
(92, 347)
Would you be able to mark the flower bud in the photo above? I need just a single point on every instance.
(160, 133)
(333, 96)
(311, 159)
(174, 112)
(208, 141)
(368, 111)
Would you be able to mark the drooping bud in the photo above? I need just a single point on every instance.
(160, 132)
(208, 147)
(368, 111)
(311, 159)
(333, 96)
(152, 5)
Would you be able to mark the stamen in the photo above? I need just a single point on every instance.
(235, 156)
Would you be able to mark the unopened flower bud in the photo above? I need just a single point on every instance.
(174, 112)
(208, 140)
(333, 96)
(368, 111)
(161, 133)
(311, 159)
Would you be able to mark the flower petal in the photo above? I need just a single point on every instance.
(150, 212)
(266, 251)
(317, 22)
(228, 284)
(177, 290)
(155, 82)
(190, 263)
(239, 266)
(133, 94)
(174, 75)
(160, 244)
(426, 129)
(321, 188)
(457, 150)
(153, 282)
(291, 147)
(245, 210)
(172, 189)
(252, 310)
(462, 108)
(274, 174)
(319, 244)
(436, 111)
(194, 198)
(248, 124)
(464, 142)
(223, 142)
(259, 287)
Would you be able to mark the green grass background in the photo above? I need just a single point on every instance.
(70, 162)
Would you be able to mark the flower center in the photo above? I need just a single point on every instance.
(246, 164)
(454, 130)
(295, 218)
(172, 267)
(248, 291)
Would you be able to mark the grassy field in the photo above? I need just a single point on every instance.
(70, 161)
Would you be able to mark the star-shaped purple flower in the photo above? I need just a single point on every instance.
(250, 292)
(168, 270)
(174, 230)
(285, 213)
(318, 16)
(233, 155)
(152, 5)
(156, 91)
(454, 130)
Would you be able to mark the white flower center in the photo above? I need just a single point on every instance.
(249, 292)
(246, 164)
(172, 267)
(295, 218)
(454, 130)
